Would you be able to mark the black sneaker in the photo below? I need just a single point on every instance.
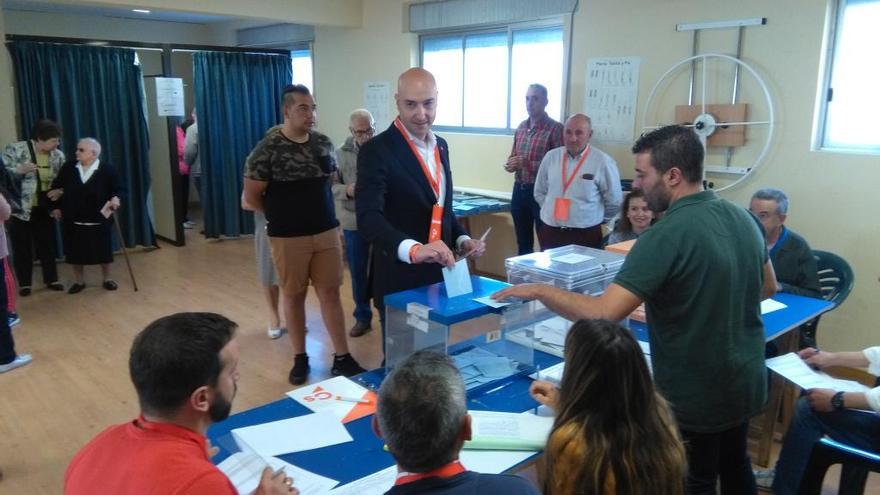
(345, 365)
(300, 371)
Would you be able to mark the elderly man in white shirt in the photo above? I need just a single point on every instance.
(843, 416)
(578, 188)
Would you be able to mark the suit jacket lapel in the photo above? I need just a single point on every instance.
(410, 164)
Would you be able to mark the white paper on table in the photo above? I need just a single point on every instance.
(458, 280)
(508, 431)
(312, 431)
(796, 370)
(374, 484)
(552, 330)
(572, 258)
(492, 461)
(244, 470)
(463, 207)
(321, 396)
(492, 303)
(771, 305)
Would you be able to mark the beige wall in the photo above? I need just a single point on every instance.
(827, 190)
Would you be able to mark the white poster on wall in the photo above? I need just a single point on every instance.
(612, 95)
(169, 96)
(376, 99)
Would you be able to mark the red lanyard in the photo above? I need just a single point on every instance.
(438, 168)
(567, 181)
(447, 471)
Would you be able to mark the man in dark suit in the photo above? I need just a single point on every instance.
(404, 192)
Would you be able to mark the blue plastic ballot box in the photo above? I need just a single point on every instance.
(425, 318)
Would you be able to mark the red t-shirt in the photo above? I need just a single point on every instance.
(142, 457)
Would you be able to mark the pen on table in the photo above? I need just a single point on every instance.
(499, 387)
(352, 399)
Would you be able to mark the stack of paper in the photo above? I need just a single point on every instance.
(478, 366)
(508, 431)
(374, 484)
(552, 331)
(312, 431)
(340, 396)
(244, 471)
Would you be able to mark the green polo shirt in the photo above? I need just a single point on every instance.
(700, 272)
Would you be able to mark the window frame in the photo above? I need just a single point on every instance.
(298, 47)
(835, 28)
(562, 22)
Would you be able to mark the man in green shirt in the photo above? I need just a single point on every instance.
(701, 271)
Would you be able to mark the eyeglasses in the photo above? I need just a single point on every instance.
(368, 132)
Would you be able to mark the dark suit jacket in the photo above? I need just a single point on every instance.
(393, 200)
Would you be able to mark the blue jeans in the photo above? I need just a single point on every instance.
(859, 429)
(526, 215)
(358, 251)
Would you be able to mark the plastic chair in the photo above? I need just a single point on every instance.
(836, 281)
(835, 276)
(853, 475)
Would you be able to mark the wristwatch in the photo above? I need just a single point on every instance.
(837, 401)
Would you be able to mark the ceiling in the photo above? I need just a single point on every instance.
(67, 8)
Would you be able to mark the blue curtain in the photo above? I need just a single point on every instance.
(98, 92)
(238, 97)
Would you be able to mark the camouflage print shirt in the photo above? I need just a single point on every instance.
(298, 200)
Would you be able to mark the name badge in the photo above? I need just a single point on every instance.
(435, 231)
(560, 209)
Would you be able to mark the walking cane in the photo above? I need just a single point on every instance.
(124, 251)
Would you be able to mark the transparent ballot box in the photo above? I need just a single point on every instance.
(572, 268)
(472, 333)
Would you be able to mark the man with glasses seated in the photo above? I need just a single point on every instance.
(357, 248)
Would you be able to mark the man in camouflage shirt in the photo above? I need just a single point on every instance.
(288, 177)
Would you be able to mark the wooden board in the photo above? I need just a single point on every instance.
(731, 136)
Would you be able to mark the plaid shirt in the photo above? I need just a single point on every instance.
(534, 143)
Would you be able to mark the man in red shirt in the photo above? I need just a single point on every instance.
(185, 370)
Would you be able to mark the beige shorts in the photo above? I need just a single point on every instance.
(316, 258)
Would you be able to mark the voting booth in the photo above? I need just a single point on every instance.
(572, 268)
(424, 318)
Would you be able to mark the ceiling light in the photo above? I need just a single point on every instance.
(141, 11)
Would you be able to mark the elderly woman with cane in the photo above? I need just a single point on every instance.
(88, 191)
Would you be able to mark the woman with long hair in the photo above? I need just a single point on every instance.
(635, 218)
(613, 433)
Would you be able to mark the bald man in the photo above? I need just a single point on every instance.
(403, 191)
(578, 188)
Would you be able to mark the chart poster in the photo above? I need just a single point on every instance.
(612, 87)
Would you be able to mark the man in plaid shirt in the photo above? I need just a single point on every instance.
(534, 137)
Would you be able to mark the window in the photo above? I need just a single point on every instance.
(853, 79)
(301, 64)
(482, 77)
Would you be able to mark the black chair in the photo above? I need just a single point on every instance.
(854, 472)
(836, 281)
